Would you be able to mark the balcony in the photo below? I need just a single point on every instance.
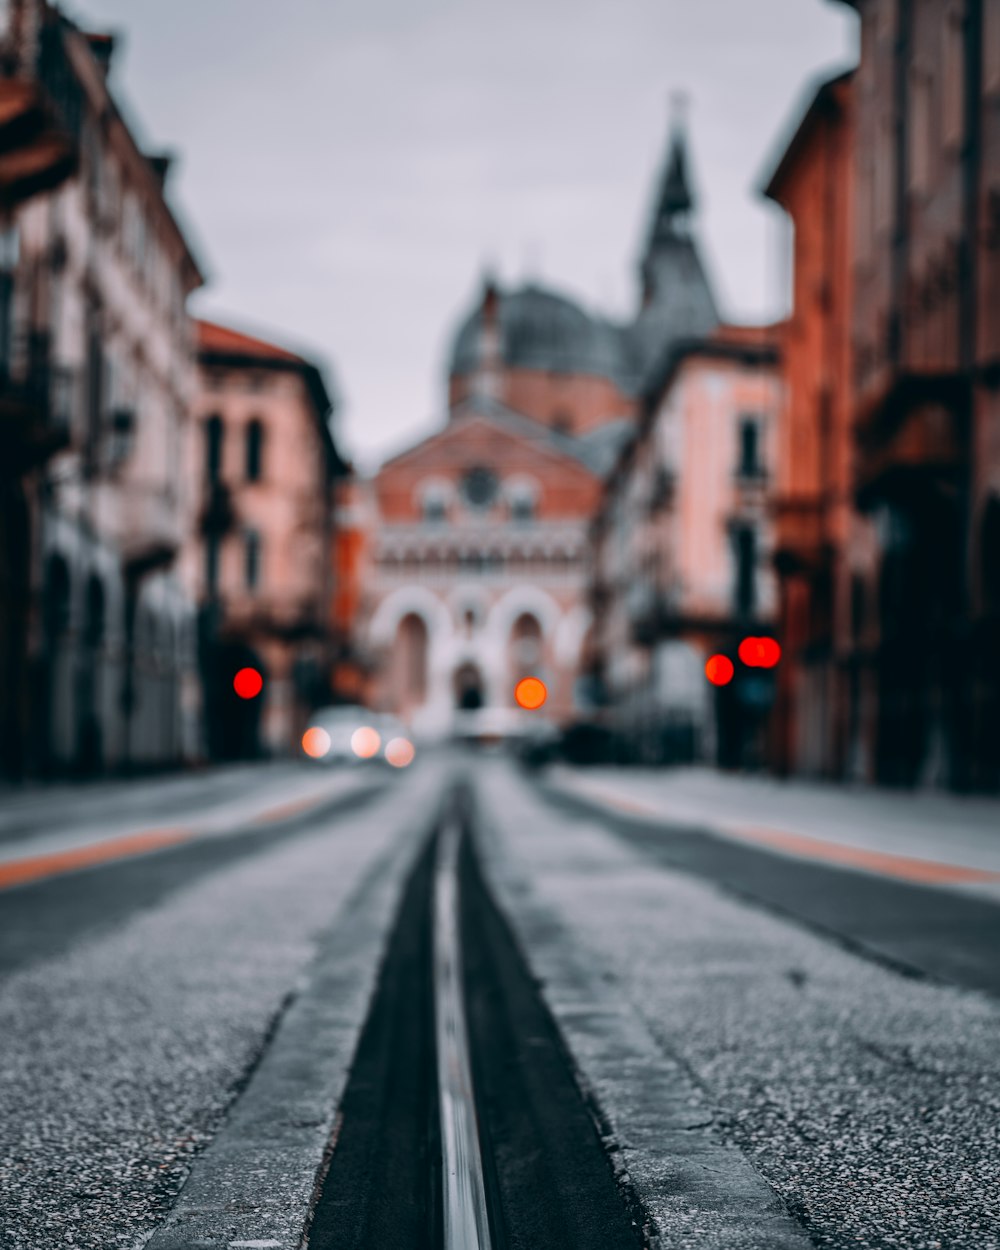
(663, 488)
(40, 113)
(644, 612)
(801, 544)
(151, 528)
(36, 408)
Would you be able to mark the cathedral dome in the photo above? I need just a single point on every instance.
(542, 330)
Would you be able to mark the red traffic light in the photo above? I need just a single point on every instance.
(719, 670)
(248, 683)
(760, 652)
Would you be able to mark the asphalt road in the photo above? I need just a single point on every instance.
(216, 1005)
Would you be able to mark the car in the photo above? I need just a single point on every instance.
(352, 734)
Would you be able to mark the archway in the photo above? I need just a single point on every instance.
(409, 663)
(89, 735)
(524, 650)
(468, 688)
(56, 695)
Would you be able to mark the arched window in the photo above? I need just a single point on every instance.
(252, 559)
(93, 625)
(411, 661)
(522, 498)
(525, 646)
(434, 496)
(214, 431)
(57, 597)
(748, 462)
(254, 450)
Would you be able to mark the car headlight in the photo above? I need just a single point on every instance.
(365, 742)
(399, 752)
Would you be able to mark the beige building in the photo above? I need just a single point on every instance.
(259, 560)
(682, 550)
(100, 272)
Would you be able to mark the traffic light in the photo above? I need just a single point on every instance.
(719, 670)
(761, 652)
(248, 683)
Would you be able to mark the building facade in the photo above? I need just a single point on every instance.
(683, 545)
(820, 722)
(97, 276)
(926, 331)
(478, 571)
(480, 561)
(259, 559)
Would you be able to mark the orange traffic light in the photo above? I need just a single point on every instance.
(719, 670)
(248, 683)
(530, 693)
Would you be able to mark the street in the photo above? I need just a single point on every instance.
(695, 1010)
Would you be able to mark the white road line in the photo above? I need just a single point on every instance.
(465, 1221)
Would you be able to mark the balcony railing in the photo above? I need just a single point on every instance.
(37, 407)
(151, 527)
(41, 111)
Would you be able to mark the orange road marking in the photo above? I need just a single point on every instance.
(905, 867)
(56, 863)
(294, 808)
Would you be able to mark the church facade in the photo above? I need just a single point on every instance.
(479, 563)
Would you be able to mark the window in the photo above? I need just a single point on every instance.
(211, 563)
(953, 79)
(921, 134)
(522, 498)
(251, 559)
(94, 613)
(991, 48)
(522, 507)
(9, 247)
(479, 486)
(57, 597)
(255, 449)
(434, 507)
(562, 422)
(213, 449)
(434, 496)
(749, 464)
(859, 607)
(745, 543)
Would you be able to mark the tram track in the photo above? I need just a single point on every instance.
(461, 1126)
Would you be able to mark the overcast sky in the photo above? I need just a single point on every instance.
(348, 169)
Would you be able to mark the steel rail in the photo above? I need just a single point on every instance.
(466, 1226)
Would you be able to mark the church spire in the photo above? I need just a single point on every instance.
(677, 298)
(675, 202)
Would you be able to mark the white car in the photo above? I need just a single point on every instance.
(351, 734)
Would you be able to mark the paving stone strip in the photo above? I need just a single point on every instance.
(698, 1192)
(257, 1182)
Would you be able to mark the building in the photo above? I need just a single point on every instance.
(682, 554)
(259, 560)
(480, 562)
(818, 717)
(39, 151)
(98, 351)
(926, 330)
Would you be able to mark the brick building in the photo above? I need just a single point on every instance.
(818, 715)
(926, 394)
(258, 561)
